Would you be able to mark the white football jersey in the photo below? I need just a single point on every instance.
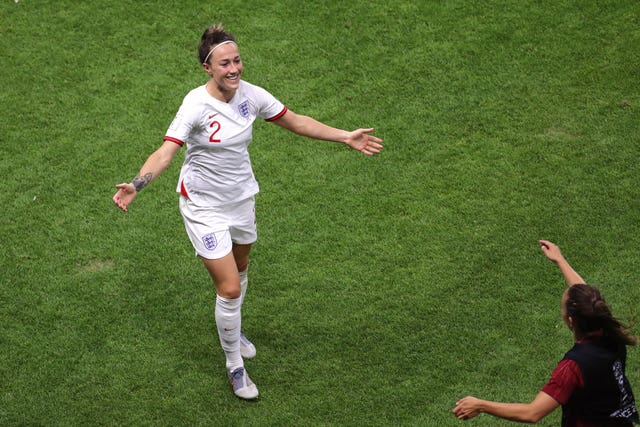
(217, 169)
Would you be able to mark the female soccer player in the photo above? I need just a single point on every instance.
(590, 381)
(217, 185)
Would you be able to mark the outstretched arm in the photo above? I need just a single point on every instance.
(157, 162)
(358, 139)
(469, 407)
(552, 252)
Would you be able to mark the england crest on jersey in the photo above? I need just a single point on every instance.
(243, 109)
(210, 241)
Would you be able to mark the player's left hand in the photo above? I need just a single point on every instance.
(124, 196)
(360, 140)
(466, 408)
(551, 250)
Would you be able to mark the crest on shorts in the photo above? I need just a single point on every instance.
(210, 241)
(243, 108)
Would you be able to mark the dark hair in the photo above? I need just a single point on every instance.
(213, 35)
(591, 314)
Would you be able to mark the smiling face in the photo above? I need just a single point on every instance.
(225, 69)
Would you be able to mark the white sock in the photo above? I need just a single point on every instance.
(244, 281)
(228, 321)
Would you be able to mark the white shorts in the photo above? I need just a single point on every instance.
(213, 229)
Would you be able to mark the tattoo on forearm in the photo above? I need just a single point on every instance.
(140, 183)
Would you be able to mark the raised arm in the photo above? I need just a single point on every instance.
(469, 407)
(552, 252)
(157, 163)
(358, 139)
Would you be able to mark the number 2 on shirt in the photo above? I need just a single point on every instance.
(215, 125)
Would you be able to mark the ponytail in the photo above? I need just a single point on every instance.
(591, 316)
